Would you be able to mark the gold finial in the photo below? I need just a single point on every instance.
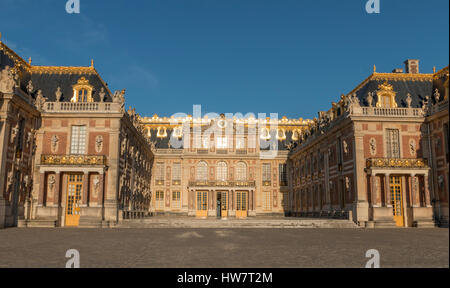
(29, 60)
(0, 36)
(374, 68)
(92, 63)
(434, 69)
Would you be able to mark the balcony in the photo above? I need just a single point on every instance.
(159, 182)
(267, 183)
(396, 163)
(222, 183)
(69, 107)
(241, 151)
(73, 160)
(389, 112)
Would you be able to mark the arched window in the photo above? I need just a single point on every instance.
(222, 171)
(241, 171)
(202, 171)
(82, 91)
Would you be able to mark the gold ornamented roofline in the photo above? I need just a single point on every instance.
(440, 73)
(62, 70)
(393, 77)
(18, 61)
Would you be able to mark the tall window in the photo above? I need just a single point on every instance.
(240, 143)
(202, 171)
(222, 142)
(282, 174)
(267, 203)
(393, 143)
(176, 173)
(222, 171)
(266, 172)
(176, 199)
(159, 200)
(82, 95)
(160, 171)
(78, 142)
(241, 171)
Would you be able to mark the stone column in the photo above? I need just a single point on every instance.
(57, 188)
(426, 190)
(84, 199)
(41, 188)
(387, 190)
(373, 191)
(100, 188)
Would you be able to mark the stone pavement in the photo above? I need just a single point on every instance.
(224, 248)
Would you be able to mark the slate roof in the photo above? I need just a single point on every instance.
(419, 86)
(49, 81)
(49, 78)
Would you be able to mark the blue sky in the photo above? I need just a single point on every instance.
(289, 57)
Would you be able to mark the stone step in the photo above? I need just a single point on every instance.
(213, 223)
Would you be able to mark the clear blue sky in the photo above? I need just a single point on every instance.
(289, 57)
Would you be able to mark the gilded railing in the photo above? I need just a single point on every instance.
(222, 183)
(73, 160)
(396, 163)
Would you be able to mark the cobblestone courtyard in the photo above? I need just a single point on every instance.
(259, 248)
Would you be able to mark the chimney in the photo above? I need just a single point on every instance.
(397, 70)
(412, 66)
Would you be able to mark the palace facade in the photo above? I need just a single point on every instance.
(70, 153)
(72, 156)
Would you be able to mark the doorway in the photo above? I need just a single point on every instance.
(222, 207)
(397, 200)
(74, 190)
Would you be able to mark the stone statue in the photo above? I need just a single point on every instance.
(369, 99)
(55, 142)
(408, 100)
(30, 87)
(58, 94)
(40, 101)
(437, 95)
(99, 143)
(7, 80)
(102, 95)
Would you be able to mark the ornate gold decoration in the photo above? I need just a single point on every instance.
(396, 163)
(222, 183)
(82, 91)
(386, 90)
(72, 160)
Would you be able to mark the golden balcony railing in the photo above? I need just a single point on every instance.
(159, 182)
(73, 160)
(396, 163)
(267, 183)
(222, 183)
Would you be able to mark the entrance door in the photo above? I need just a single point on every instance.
(202, 204)
(222, 207)
(74, 189)
(397, 201)
(241, 204)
